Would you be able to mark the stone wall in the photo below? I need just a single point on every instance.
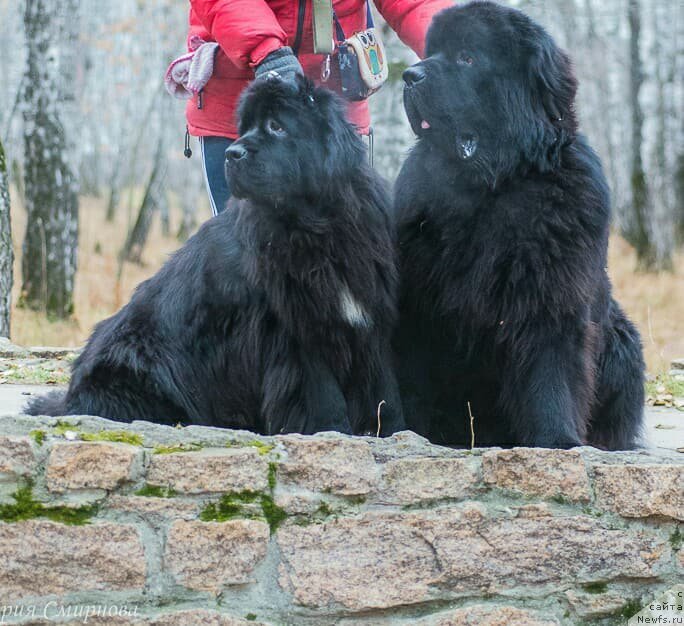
(175, 526)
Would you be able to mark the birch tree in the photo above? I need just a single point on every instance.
(51, 240)
(6, 252)
(638, 233)
(110, 105)
(679, 192)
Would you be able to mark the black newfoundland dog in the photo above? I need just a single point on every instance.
(506, 309)
(276, 316)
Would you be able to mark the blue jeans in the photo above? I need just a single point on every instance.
(213, 161)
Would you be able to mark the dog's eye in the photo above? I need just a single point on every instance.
(275, 128)
(464, 59)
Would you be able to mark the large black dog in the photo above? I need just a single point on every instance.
(506, 308)
(277, 315)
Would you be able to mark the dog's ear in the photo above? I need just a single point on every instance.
(553, 81)
(345, 151)
(306, 89)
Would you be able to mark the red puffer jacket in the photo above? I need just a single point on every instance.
(248, 30)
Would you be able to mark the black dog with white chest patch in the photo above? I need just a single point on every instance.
(276, 316)
(504, 211)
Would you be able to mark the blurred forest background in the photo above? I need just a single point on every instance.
(91, 151)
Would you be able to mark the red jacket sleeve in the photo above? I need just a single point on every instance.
(246, 30)
(196, 29)
(410, 19)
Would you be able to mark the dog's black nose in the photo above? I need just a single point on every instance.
(413, 75)
(235, 152)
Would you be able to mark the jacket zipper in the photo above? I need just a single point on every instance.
(300, 27)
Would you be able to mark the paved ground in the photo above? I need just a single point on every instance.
(13, 397)
(665, 427)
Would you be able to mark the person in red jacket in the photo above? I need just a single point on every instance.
(257, 36)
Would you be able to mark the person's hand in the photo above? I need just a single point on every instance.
(281, 61)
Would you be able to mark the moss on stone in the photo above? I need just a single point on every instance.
(321, 514)
(677, 539)
(117, 436)
(559, 499)
(176, 448)
(262, 447)
(587, 510)
(251, 617)
(671, 384)
(155, 491)
(220, 512)
(245, 497)
(356, 500)
(595, 588)
(230, 506)
(64, 427)
(25, 508)
(272, 512)
(38, 436)
(631, 608)
(324, 509)
(239, 504)
(272, 475)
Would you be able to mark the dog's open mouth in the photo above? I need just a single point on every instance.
(420, 123)
(423, 125)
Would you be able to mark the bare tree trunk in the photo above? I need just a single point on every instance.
(142, 134)
(6, 252)
(602, 99)
(188, 222)
(679, 193)
(115, 188)
(680, 201)
(638, 233)
(70, 80)
(164, 212)
(113, 202)
(17, 178)
(51, 241)
(661, 179)
(188, 199)
(678, 127)
(137, 237)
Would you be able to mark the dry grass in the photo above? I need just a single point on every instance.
(654, 301)
(98, 294)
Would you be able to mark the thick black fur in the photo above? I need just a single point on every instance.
(276, 316)
(504, 215)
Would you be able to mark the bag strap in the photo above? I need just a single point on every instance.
(369, 16)
(323, 26)
(339, 33)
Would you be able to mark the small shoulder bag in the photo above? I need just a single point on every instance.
(362, 60)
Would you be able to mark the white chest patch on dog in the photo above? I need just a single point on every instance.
(352, 311)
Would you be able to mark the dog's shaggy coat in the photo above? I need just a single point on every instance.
(506, 310)
(276, 316)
